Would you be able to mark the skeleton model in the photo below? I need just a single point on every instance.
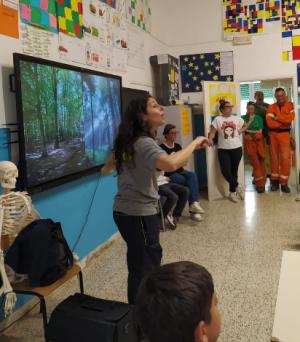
(16, 212)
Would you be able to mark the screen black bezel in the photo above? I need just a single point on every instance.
(23, 184)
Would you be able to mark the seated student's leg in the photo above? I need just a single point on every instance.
(143, 249)
(191, 181)
(177, 178)
(183, 195)
(171, 198)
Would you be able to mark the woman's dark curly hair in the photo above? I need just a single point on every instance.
(132, 127)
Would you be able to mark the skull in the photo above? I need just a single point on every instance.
(8, 174)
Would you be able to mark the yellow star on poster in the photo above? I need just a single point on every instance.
(209, 72)
(229, 78)
(191, 65)
(197, 88)
(187, 85)
(190, 73)
(217, 56)
(215, 77)
(195, 78)
(202, 56)
(212, 63)
(217, 67)
(194, 58)
(186, 59)
(206, 64)
(196, 68)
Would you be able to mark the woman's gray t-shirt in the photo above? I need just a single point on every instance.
(137, 183)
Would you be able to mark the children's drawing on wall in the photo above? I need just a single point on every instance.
(139, 13)
(39, 14)
(70, 20)
(71, 49)
(221, 91)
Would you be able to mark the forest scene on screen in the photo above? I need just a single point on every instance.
(70, 120)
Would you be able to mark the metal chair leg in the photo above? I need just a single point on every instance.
(80, 279)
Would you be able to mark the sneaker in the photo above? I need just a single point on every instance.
(196, 217)
(240, 192)
(196, 208)
(285, 188)
(169, 223)
(233, 197)
(274, 185)
(176, 220)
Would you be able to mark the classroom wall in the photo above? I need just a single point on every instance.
(70, 203)
(197, 28)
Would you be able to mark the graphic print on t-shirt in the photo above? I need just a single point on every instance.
(228, 128)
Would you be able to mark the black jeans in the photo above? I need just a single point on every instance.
(176, 195)
(229, 163)
(144, 252)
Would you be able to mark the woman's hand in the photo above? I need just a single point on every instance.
(201, 142)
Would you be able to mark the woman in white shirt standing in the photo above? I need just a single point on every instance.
(229, 127)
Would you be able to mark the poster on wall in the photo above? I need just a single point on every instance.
(272, 10)
(37, 42)
(71, 49)
(290, 27)
(39, 13)
(139, 13)
(243, 17)
(136, 49)
(70, 19)
(221, 91)
(9, 18)
(215, 66)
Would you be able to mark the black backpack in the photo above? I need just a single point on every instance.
(40, 251)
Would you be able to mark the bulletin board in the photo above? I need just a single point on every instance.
(91, 32)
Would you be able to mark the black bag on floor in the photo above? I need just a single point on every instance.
(84, 318)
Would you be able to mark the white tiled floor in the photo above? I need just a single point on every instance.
(240, 244)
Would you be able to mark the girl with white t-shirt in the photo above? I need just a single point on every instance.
(229, 128)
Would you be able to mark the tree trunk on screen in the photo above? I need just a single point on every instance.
(39, 112)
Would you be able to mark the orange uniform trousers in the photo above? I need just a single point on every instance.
(255, 149)
(280, 153)
(279, 132)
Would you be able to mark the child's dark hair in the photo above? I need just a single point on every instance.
(250, 103)
(279, 89)
(172, 300)
(222, 105)
(167, 129)
(132, 127)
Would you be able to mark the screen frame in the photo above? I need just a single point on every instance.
(22, 180)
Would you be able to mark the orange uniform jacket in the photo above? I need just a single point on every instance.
(284, 117)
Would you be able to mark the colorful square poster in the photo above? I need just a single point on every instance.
(70, 21)
(272, 10)
(39, 13)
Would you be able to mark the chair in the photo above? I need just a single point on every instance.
(44, 291)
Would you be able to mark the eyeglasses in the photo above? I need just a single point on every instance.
(173, 133)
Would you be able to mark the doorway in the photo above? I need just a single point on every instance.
(267, 87)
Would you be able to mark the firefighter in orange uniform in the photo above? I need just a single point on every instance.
(279, 118)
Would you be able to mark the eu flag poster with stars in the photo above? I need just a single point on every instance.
(215, 66)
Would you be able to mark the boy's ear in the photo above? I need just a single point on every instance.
(200, 333)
